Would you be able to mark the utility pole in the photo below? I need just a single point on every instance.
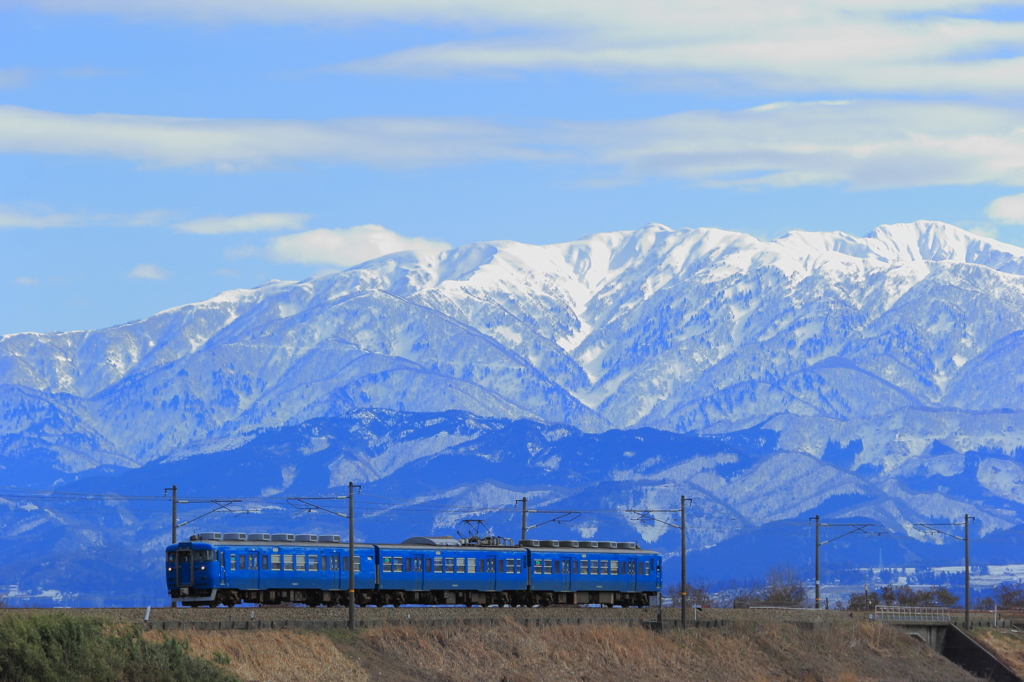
(174, 522)
(682, 556)
(649, 515)
(967, 572)
(933, 529)
(817, 561)
(174, 513)
(818, 525)
(351, 557)
(524, 516)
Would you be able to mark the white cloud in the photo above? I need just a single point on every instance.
(11, 217)
(147, 271)
(873, 144)
(1007, 209)
(239, 144)
(346, 247)
(862, 45)
(26, 281)
(250, 222)
(865, 144)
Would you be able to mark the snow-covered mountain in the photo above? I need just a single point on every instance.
(821, 336)
(888, 369)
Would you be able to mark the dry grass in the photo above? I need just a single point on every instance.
(274, 656)
(773, 652)
(510, 652)
(1005, 645)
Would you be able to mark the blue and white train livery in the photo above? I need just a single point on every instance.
(260, 568)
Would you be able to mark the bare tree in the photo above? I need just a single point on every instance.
(783, 587)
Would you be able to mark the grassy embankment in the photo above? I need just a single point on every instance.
(1006, 645)
(57, 647)
(593, 653)
(79, 648)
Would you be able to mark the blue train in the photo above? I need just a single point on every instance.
(212, 569)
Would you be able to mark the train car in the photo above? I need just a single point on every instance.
(261, 568)
(213, 569)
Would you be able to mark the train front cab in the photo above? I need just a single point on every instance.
(192, 572)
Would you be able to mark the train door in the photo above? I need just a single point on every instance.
(184, 568)
(565, 568)
(339, 577)
(418, 568)
(631, 572)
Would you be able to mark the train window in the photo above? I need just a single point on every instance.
(538, 566)
(323, 563)
(584, 565)
(300, 562)
(490, 565)
(275, 562)
(289, 562)
(519, 565)
(501, 565)
(449, 565)
(575, 567)
(558, 566)
(386, 564)
(265, 560)
(460, 565)
(396, 565)
(170, 557)
(615, 568)
(408, 565)
(471, 565)
(565, 565)
(232, 562)
(547, 566)
(604, 568)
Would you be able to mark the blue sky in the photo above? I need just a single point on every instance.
(156, 152)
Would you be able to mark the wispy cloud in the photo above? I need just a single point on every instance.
(26, 281)
(872, 144)
(147, 271)
(934, 46)
(250, 222)
(346, 247)
(240, 144)
(865, 144)
(40, 218)
(1007, 209)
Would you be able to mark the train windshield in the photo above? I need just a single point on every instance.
(204, 555)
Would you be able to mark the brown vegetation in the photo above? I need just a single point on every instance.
(776, 652)
(511, 652)
(273, 655)
(1006, 645)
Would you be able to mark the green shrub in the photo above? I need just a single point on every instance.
(56, 647)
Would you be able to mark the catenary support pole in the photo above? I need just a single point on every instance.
(351, 557)
(524, 517)
(174, 514)
(682, 554)
(817, 561)
(967, 572)
(174, 524)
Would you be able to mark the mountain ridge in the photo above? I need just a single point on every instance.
(690, 330)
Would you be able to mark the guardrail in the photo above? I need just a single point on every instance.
(912, 614)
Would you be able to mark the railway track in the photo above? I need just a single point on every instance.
(322, 618)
